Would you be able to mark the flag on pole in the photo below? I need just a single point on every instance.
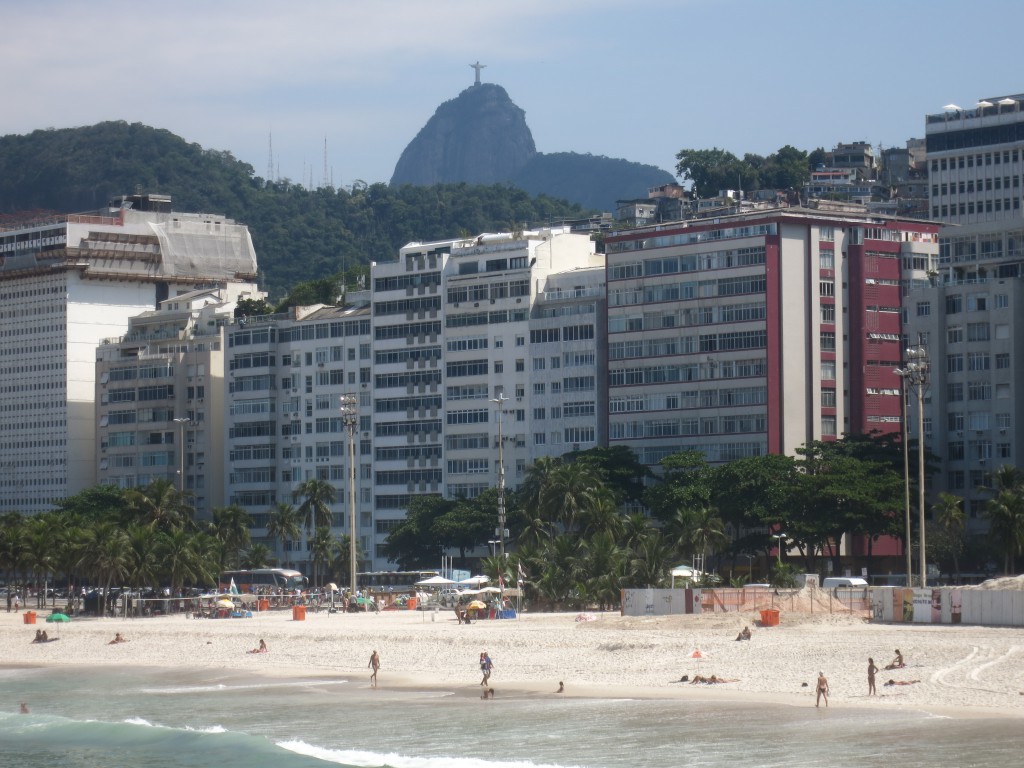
(522, 574)
(233, 589)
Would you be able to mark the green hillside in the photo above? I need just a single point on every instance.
(299, 235)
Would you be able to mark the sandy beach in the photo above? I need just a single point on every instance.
(964, 671)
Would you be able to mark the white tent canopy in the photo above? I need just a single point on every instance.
(475, 581)
(434, 581)
(686, 573)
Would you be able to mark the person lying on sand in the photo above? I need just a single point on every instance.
(713, 679)
(117, 639)
(902, 682)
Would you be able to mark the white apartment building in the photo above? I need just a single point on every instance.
(160, 397)
(459, 329)
(969, 317)
(66, 283)
(283, 424)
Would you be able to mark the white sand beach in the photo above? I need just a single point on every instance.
(963, 670)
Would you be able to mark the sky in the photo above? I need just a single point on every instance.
(638, 81)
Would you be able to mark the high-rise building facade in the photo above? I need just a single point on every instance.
(66, 283)
(756, 333)
(969, 315)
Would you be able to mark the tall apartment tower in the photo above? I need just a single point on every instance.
(286, 375)
(756, 333)
(66, 283)
(160, 397)
(969, 316)
(476, 337)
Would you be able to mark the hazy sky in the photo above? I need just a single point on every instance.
(632, 80)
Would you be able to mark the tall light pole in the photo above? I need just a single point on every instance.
(906, 472)
(182, 422)
(350, 420)
(915, 375)
(780, 537)
(500, 402)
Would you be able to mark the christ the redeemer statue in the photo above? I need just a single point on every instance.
(478, 66)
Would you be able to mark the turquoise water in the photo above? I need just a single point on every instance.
(81, 718)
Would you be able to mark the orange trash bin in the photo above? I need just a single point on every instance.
(263, 605)
(411, 603)
(29, 617)
(769, 618)
(298, 613)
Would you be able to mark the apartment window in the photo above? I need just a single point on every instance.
(828, 341)
(539, 414)
(828, 370)
(538, 388)
(827, 288)
(954, 304)
(978, 361)
(955, 421)
(955, 392)
(828, 397)
(954, 334)
(1002, 360)
(977, 332)
(828, 313)
(924, 308)
(977, 302)
(954, 363)
(828, 426)
(520, 365)
(1002, 301)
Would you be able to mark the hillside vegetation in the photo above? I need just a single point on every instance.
(299, 234)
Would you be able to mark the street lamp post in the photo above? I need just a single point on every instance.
(915, 375)
(778, 553)
(500, 402)
(906, 473)
(350, 419)
(182, 423)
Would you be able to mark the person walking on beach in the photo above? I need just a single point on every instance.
(822, 688)
(375, 665)
(872, 669)
(486, 665)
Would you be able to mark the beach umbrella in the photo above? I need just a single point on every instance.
(225, 604)
(475, 581)
(477, 605)
(57, 617)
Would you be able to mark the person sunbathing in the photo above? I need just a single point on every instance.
(712, 680)
(902, 682)
(261, 649)
(744, 634)
(117, 639)
(896, 663)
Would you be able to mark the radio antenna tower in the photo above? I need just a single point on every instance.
(324, 181)
(270, 156)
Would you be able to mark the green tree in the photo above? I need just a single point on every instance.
(414, 542)
(230, 527)
(161, 506)
(284, 523)
(321, 544)
(951, 522)
(714, 170)
(317, 496)
(257, 556)
(1005, 512)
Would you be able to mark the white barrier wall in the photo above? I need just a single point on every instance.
(948, 605)
(660, 602)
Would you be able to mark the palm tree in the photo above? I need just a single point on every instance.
(600, 566)
(284, 524)
(187, 557)
(602, 514)
(650, 562)
(1006, 513)
(161, 505)
(40, 552)
(320, 546)
(949, 514)
(571, 489)
(143, 543)
(106, 556)
(257, 556)
(231, 528)
(317, 496)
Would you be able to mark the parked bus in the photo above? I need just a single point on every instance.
(265, 580)
(397, 581)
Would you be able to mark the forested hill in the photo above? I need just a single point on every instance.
(299, 235)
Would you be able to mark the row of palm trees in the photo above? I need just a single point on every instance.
(577, 548)
(109, 537)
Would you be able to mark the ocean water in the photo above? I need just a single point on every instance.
(89, 717)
